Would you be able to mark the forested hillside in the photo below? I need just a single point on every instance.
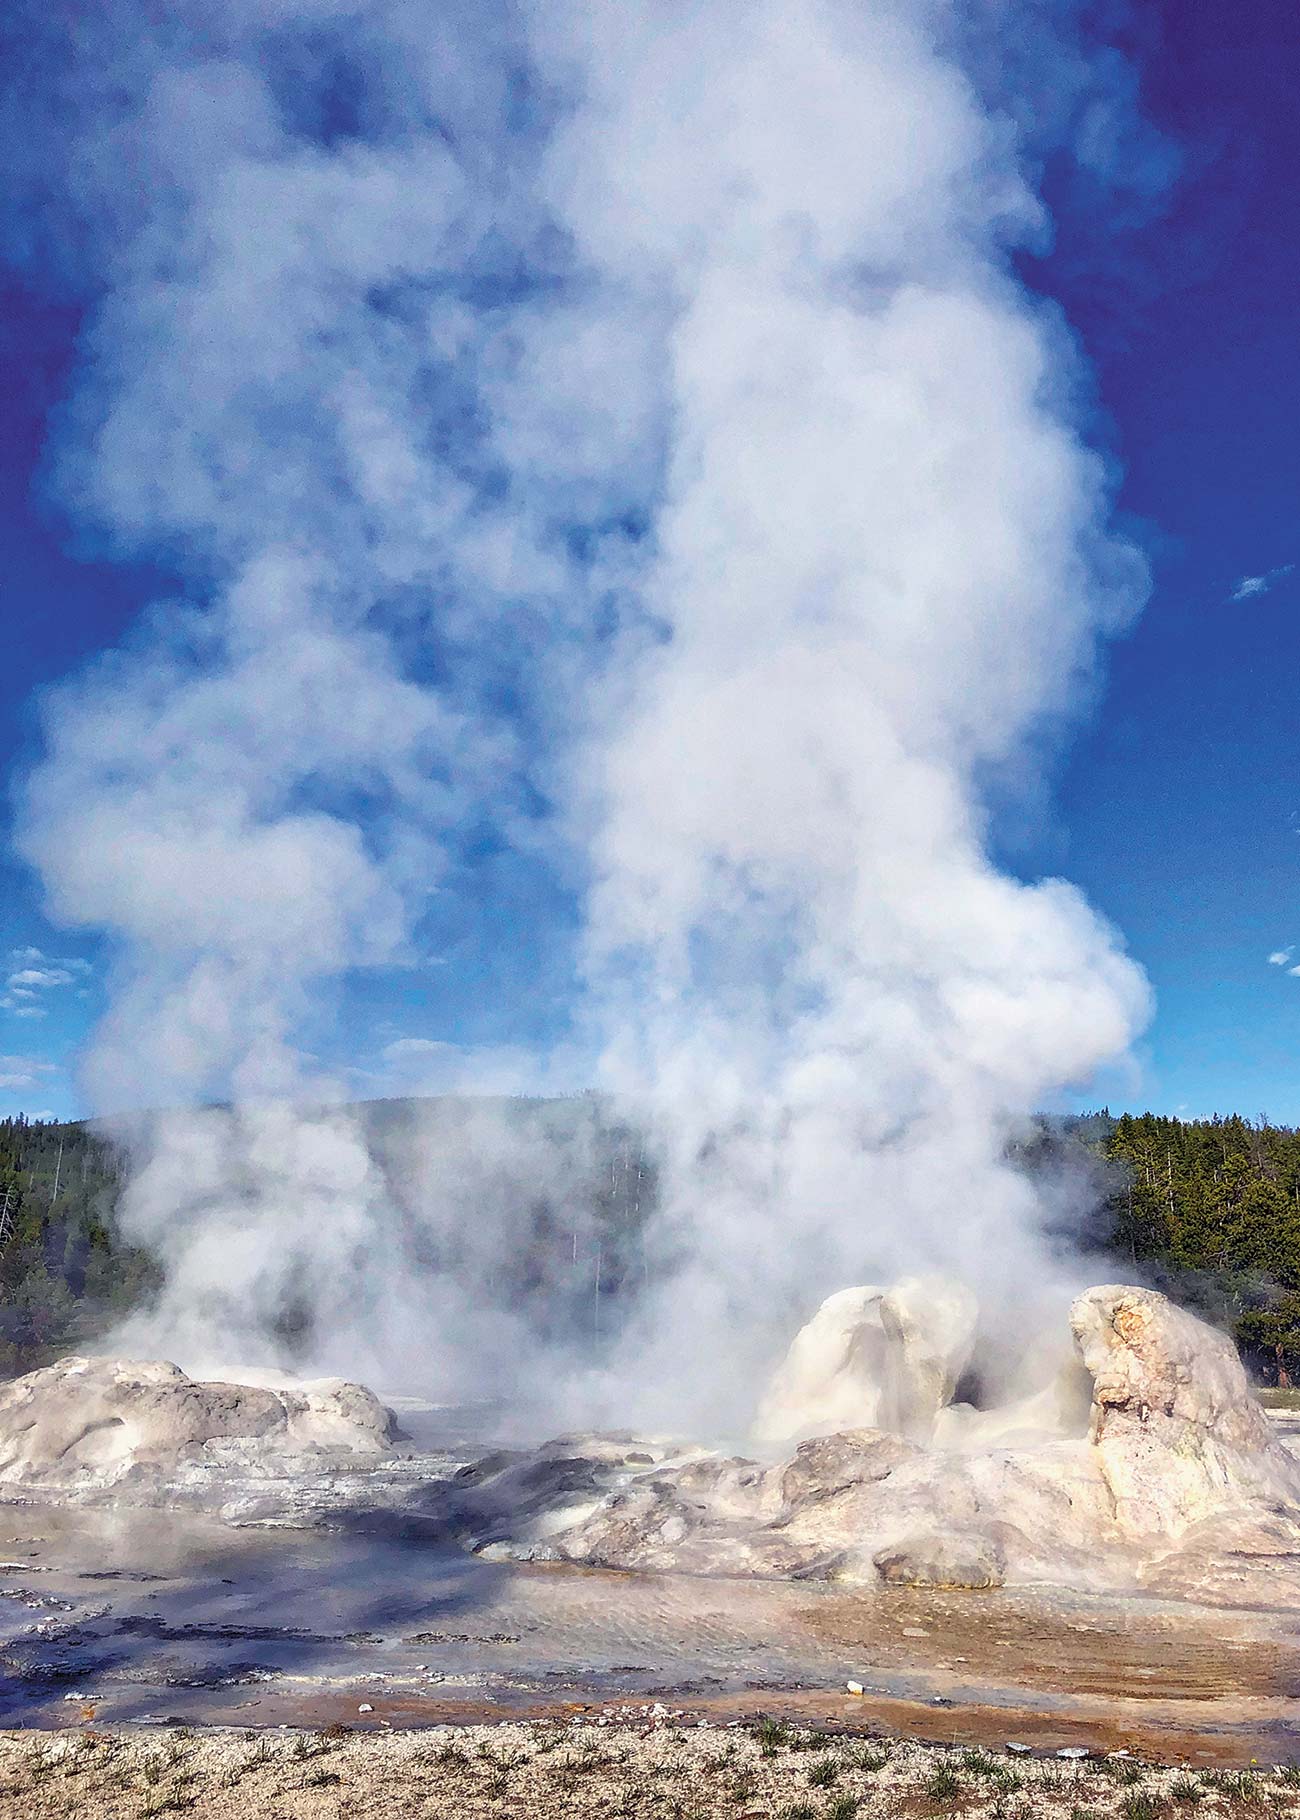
(65, 1274)
(1208, 1210)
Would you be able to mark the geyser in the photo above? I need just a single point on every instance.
(611, 463)
(1175, 1478)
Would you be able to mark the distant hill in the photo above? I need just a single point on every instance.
(68, 1275)
(1208, 1210)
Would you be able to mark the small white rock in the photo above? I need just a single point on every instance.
(854, 1687)
(365, 1707)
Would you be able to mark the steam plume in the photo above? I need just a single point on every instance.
(629, 409)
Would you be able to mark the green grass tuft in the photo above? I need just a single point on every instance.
(944, 1784)
(1142, 1805)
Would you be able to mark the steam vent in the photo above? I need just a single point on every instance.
(1145, 1463)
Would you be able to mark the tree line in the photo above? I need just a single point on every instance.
(66, 1273)
(1209, 1211)
(1206, 1209)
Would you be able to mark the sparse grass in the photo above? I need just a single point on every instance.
(1142, 1805)
(445, 1755)
(772, 1735)
(169, 1801)
(977, 1763)
(620, 1772)
(944, 1784)
(1240, 1785)
(312, 1744)
(40, 1764)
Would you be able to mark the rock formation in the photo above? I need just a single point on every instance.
(1175, 1470)
(1175, 1432)
(1169, 1476)
(86, 1421)
(872, 1358)
(936, 1559)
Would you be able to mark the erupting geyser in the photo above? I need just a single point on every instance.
(1172, 1477)
(634, 531)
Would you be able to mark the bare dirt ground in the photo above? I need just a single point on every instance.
(624, 1767)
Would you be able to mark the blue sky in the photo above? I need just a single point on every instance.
(1177, 806)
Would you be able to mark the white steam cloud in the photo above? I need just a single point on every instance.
(619, 425)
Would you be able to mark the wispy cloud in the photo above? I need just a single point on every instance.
(1251, 585)
(1280, 957)
(413, 1045)
(36, 978)
(20, 1073)
(35, 973)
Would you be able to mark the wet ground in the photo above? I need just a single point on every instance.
(129, 1617)
(146, 1616)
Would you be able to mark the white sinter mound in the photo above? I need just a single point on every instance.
(1175, 1431)
(1167, 1475)
(97, 1422)
(1172, 1473)
(872, 1358)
